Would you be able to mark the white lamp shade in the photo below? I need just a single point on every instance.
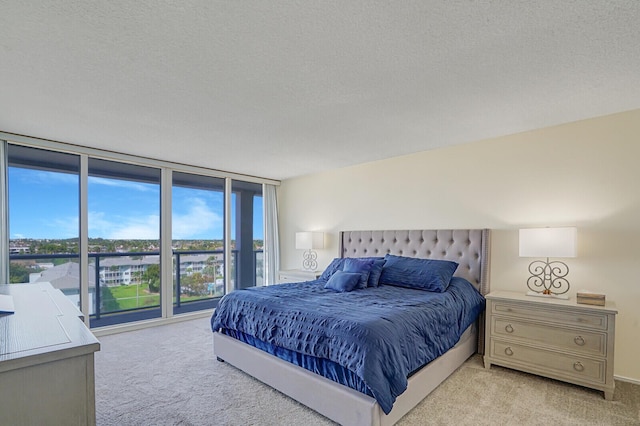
(549, 242)
(309, 240)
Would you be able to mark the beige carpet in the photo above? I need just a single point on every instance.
(168, 375)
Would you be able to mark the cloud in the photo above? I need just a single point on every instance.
(64, 227)
(124, 184)
(124, 228)
(43, 177)
(139, 228)
(198, 220)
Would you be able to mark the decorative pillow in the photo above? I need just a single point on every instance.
(423, 274)
(362, 266)
(335, 265)
(343, 281)
(376, 271)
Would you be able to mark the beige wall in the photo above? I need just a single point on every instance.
(584, 174)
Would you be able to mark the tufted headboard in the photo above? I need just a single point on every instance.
(468, 247)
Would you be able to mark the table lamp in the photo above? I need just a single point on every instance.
(548, 278)
(309, 241)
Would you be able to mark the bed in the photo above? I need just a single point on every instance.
(250, 351)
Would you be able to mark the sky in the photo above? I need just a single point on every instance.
(44, 204)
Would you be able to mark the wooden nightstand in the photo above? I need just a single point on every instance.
(555, 338)
(297, 275)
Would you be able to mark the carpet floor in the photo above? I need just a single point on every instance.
(168, 375)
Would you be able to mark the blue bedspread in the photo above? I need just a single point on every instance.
(382, 334)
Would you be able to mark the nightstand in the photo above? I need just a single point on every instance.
(555, 338)
(297, 275)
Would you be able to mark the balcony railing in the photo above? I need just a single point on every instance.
(118, 294)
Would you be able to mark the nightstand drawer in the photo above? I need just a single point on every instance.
(563, 318)
(297, 275)
(541, 361)
(579, 341)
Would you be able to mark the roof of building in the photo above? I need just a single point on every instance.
(66, 276)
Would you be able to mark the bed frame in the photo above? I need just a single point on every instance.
(468, 247)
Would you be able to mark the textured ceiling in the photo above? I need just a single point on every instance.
(283, 88)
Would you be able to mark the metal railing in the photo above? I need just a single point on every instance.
(178, 274)
(99, 284)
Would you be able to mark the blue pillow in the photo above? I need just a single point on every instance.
(376, 271)
(335, 265)
(423, 274)
(362, 266)
(343, 281)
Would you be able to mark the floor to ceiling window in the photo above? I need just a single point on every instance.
(128, 238)
(43, 192)
(197, 223)
(124, 241)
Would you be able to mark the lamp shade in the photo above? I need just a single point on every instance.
(309, 240)
(549, 242)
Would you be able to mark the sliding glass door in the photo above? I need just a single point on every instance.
(124, 241)
(197, 223)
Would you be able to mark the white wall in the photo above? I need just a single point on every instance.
(585, 174)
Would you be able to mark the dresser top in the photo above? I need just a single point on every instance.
(609, 306)
(46, 325)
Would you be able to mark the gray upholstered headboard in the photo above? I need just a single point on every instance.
(468, 247)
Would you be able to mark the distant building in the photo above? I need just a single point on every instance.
(196, 263)
(125, 270)
(19, 249)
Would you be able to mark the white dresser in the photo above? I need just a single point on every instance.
(297, 275)
(46, 360)
(555, 338)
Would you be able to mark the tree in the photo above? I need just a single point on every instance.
(194, 285)
(209, 272)
(18, 273)
(152, 276)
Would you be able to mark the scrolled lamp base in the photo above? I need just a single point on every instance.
(310, 260)
(548, 277)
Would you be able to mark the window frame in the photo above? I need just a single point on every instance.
(166, 254)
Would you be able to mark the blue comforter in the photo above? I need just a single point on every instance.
(382, 334)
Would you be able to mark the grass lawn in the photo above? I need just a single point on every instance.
(131, 296)
(128, 297)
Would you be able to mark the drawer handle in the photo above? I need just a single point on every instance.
(578, 340)
(578, 366)
(509, 328)
(509, 352)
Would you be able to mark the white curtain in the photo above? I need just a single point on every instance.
(4, 213)
(271, 241)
